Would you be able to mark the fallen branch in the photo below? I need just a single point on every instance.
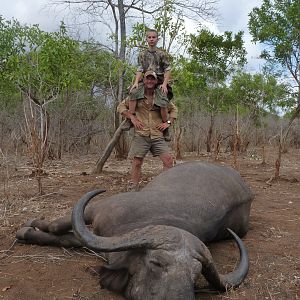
(109, 148)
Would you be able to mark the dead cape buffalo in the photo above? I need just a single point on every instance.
(155, 238)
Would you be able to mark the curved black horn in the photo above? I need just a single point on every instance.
(230, 280)
(150, 236)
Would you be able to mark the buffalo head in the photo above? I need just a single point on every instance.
(157, 261)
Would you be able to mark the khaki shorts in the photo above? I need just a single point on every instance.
(141, 145)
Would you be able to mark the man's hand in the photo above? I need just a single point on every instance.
(134, 86)
(136, 123)
(162, 126)
(164, 88)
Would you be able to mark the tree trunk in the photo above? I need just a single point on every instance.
(278, 161)
(209, 134)
(109, 148)
(121, 142)
(178, 137)
(38, 128)
(60, 138)
(283, 139)
(120, 145)
(236, 141)
(217, 146)
(263, 163)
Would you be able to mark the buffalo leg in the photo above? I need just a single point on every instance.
(29, 235)
(58, 226)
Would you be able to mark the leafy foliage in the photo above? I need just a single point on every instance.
(260, 93)
(204, 75)
(42, 64)
(219, 54)
(276, 24)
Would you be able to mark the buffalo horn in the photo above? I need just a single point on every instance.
(150, 237)
(232, 279)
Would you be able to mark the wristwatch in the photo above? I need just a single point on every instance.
(169, 122)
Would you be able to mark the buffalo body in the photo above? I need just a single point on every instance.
(155, 238)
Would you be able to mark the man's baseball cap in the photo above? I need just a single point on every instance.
(150, 73)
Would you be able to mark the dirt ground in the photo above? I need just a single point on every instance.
(37, 273)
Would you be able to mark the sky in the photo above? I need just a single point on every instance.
(233, 16)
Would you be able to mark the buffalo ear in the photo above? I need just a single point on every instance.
(113, 280)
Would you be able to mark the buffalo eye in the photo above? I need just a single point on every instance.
(159, 260)
(156, 263)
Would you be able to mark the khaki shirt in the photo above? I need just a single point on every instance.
(149, 115)
(160, 99)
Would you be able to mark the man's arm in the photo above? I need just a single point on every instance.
(167, 76)
(123, 109)
(173, 111)
(167, 71)
(138, 77)
(123, 106)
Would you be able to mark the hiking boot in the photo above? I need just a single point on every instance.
(167, 135)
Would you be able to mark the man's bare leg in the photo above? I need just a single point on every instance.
(167, 160)
(136, 172)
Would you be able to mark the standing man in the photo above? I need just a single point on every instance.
(153, 59)
(149, 127)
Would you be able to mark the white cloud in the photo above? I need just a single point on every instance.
(30, 12)
(234, 13)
